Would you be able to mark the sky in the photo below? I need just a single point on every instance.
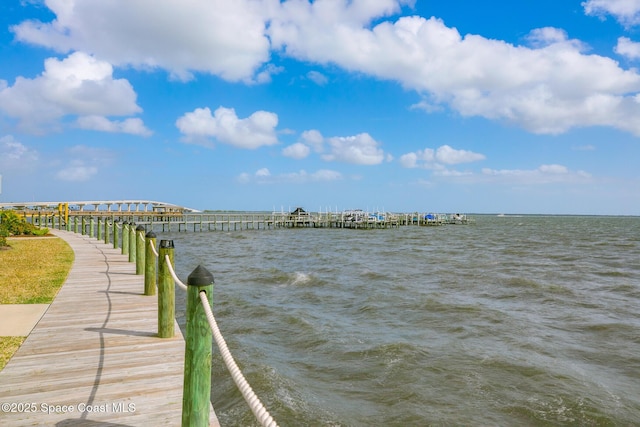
(471, 106)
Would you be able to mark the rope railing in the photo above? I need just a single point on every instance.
(173, 273)
(159, 273)
(153, 249)
(258, 409)
(256, 406)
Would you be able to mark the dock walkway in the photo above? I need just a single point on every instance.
(94, 359)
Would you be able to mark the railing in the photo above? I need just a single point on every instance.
(93, 224)
(157, 265)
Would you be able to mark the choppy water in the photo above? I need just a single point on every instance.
(513, 321)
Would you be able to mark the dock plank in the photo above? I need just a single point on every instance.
(94, 358)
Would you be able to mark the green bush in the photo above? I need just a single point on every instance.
(18, 226)
(4, 233)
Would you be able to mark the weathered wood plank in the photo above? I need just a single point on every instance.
(95, 357)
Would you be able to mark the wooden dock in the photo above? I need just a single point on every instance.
(95, 358)
(90, 222)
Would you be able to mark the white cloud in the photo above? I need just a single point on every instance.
(255, 131)
(627, 12)
(84, 163)
(296, 151)
(317, 77)
(15, 156)
(360, 149)
(133, 126)
(548, 87)
(314, 139)
(588, 147)
(451, 156)
(263, 176)
(452, 173)
(264, 172)
(225, 38)
(544, 174)
(409, 160)
(628, 48)
(436, 159)
(78, 85)
(77, 173)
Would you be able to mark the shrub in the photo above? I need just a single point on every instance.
(4, 233)
(17, 225)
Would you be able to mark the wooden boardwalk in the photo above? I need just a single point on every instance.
(94, 358)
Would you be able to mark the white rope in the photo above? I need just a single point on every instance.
(173, 273)
(247, 392)
(153, 248)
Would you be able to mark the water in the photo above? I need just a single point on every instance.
(513, 321)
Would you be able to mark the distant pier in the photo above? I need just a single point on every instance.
(167, 217)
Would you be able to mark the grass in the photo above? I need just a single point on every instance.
(31, 272)
(8, 346)
(34, 270)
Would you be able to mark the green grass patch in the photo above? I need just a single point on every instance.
(33, 270)
(8, 346)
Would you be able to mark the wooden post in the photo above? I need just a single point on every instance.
(150, 265)
(125, 238)
(116, 241)
(99, 228)
(140, 252)
(75, 224)
(91, 227)
(196, 392)
(166, 291)
(106, 230)
(132, 242)
(84, 224)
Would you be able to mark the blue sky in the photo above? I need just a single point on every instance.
(460, 106)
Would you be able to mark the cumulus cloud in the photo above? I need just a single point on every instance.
(628, 48)
(78, 85)
(360, 149)
(627, 12)
(547, 87)
(314, 139)
(15, 156)
(133, 126)
(253, 132)
(225, 38)
(264, 176)
(436, 159)
(77, 172)
(317, 77)
(84, 163)
(296, 151)
(587, 147)
(544, 174)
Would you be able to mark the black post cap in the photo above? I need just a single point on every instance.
(151, 235)
(200, 276)
(125, 223)
(140, 228)
(166, 244)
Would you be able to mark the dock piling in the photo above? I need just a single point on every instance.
(125, 238)
(166, 291)
(132, 242)
(196, 393)
(140, 252)
(150, 268)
